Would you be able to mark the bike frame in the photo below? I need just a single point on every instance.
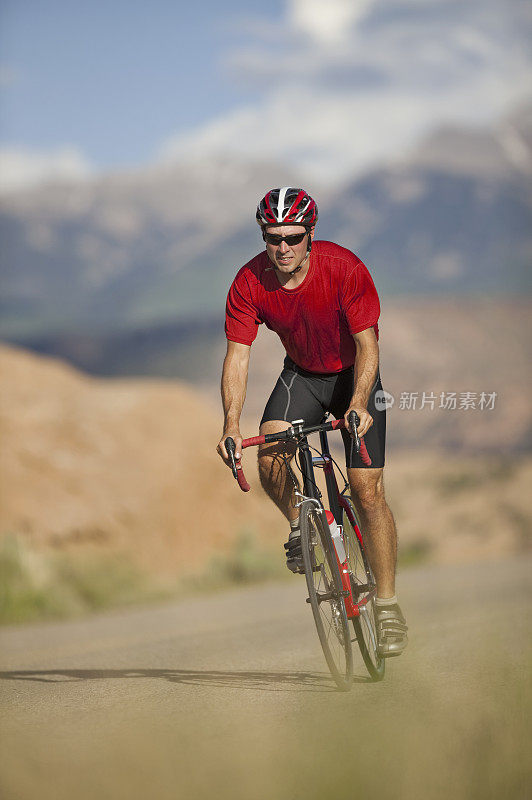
(337, 504)
(298, 432)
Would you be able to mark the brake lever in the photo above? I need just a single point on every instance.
(238, 472)
(230, 446)
(353, 422)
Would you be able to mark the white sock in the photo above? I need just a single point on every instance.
(386, 601)
(294, 525)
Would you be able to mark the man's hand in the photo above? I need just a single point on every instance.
(366, 420)
(235, 434)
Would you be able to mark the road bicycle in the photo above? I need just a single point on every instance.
(340, 583)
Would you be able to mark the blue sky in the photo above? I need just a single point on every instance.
(115, 78)
(331, 87)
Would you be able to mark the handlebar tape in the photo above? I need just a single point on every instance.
(241, 478)
(364, 455)
(253, 440)
(238, 472)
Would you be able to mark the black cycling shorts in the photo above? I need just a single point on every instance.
(309, 396)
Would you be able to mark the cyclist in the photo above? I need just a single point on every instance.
(321, 301)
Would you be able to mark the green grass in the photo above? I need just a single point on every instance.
(462, 480)
(36, 585)
(413, 554)
(246, 562)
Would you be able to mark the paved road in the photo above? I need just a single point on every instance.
(228, 696)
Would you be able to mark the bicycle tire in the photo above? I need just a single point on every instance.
(364, 625)
(325, 594)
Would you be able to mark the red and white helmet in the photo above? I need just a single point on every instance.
(287, 206)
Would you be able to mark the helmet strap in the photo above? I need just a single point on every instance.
(298, 268)
(309, 247)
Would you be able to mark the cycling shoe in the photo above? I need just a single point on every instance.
(294, 555)
(391, 630)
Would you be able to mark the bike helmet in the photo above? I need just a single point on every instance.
(287, 206)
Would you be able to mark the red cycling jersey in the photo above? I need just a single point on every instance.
(317, 320)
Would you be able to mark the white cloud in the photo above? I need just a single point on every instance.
(333, 137)
(349, 83)
(22, 168)
(329, 22)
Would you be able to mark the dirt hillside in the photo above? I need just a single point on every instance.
(121, 464)
(130, 466)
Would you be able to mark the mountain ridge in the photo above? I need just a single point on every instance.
(149, 248)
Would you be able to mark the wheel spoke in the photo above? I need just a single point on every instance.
(364, 625)
(324, 585)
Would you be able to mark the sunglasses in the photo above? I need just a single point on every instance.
(274, 238)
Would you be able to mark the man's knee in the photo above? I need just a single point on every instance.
(268, 468)
(272, 460)
(367, 489)
(273, 456)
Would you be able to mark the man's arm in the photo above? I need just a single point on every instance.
(234, 382)
(366, 367)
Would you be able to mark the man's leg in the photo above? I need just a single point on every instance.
(380, 536)
(294, 396)
(279, 485)
(273, 473)
(378, 525)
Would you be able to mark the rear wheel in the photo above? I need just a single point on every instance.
(326, 594)
(363, 591)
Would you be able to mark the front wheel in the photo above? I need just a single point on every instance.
(326, 593)
(363, 591)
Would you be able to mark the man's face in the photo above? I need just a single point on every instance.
(287, 257)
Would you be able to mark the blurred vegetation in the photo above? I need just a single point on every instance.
(246, 562)
(36, 585)
(462, 480)
(411, 555)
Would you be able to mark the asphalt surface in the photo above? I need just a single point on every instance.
(228, 695)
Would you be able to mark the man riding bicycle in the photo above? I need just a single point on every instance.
(321, 301)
